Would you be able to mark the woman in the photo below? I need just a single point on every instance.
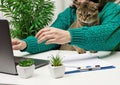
(88, 38)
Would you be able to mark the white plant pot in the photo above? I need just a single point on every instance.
(25, 72)
(57, 72)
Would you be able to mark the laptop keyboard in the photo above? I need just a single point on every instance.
(38, 62)
(17, 59)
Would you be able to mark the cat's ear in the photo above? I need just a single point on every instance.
(85, 4)
(76, 4)
(97, 5)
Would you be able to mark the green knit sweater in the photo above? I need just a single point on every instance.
(89, 38)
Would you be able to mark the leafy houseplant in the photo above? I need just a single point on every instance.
(57, 69)
(25, 68)
(27, 16)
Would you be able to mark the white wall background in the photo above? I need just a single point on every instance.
(60, 5)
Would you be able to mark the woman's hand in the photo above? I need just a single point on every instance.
(53, 35)
(18, 44)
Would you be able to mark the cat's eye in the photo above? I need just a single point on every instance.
(80, 13)
(88, 14)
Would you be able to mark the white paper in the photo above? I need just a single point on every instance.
(72, 62)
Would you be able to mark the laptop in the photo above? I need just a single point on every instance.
(8, 61)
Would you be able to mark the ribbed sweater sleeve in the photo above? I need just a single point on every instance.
(64, 19)
(34, 47)
(95, 37)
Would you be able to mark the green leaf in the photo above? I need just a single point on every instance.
(28, 16)
(26, 62)
(56, 60)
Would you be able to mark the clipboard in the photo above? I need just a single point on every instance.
(72, 63)
(77, 71)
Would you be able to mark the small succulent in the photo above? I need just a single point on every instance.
(56, 60)
(25, 63)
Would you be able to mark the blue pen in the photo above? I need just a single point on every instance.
(83, 69)
(97, 67)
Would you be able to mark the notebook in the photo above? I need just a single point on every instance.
(8, 61)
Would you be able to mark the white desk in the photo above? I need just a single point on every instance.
(42, 77)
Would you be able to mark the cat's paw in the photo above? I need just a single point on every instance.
(81, 51)
(92, 51)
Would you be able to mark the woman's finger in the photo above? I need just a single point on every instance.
(45, 34)
(41, 31)
(45, 38)
(16, 47)
(50, 41)
(15, 41)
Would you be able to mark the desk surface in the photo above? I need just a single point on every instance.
(42, 76)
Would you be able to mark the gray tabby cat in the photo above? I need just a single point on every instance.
(87, 15)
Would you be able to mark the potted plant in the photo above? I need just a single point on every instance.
(27, 16)
(57, 69)
(25, 68)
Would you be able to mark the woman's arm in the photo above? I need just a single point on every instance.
(95, 37)
(62, 22)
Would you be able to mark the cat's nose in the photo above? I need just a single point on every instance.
(84, 18)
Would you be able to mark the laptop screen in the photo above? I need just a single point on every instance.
(7, 60)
